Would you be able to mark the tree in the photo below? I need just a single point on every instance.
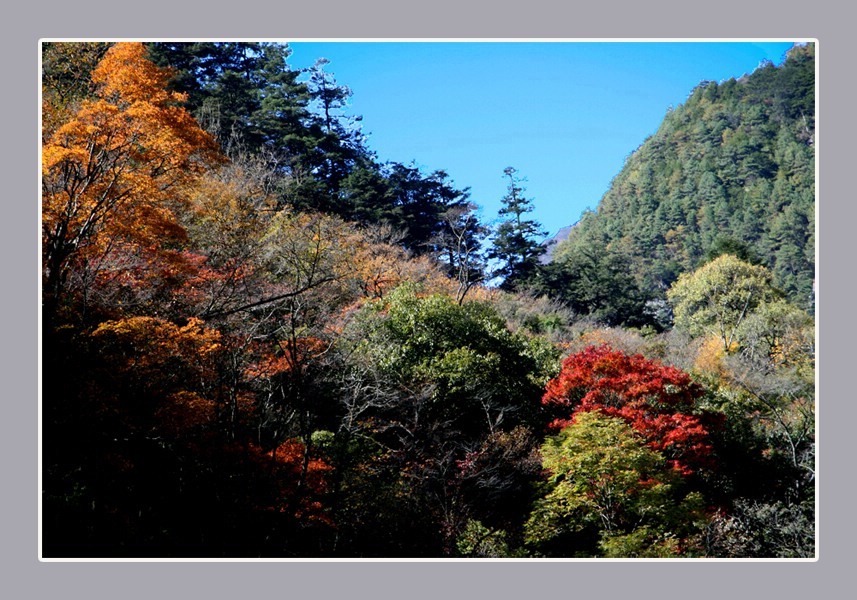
(340, 147)
(67, 80)
(773, 374)
(368, 197)
(658, 401)
(497, 480)
(443, 394)
(118, 169)
(420, 205)
(595, 281)
(604, 480)
(764, 530)
(481, 376)
(478, 541)
(719, 296)
(729, 245)
(514, 242)
(226, 84)
(459, 248)
(332, 97)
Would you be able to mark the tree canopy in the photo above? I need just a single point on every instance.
(262, 340)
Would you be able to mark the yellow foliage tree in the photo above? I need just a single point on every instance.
(710, 358)
(717, 298)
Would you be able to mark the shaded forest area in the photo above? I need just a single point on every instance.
(261, 340)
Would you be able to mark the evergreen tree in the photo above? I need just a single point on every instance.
(595, 282)
(420, 204)
(367, 196)
(340, 147)
(248, 96)
(222, 82)
(515, 244)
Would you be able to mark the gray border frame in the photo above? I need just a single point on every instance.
(26, 577)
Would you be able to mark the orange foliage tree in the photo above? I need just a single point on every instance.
(166, 370)
(116, 172)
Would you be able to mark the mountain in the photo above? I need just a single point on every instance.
(551, 243)
(730, 170)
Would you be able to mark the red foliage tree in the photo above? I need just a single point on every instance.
(658, 401)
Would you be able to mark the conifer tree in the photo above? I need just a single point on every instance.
(515, 244)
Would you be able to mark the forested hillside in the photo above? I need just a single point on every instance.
(260, 339)
(730, 170)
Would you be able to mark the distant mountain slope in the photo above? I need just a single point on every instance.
(733, 167)
(551, 243)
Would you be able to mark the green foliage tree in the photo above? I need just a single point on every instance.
(514, 244)
(67, 73)
(330, 96)
(480, 374)
(479, 541)
(719, 296)
(221, 80)
(445, 393)
(368, 197)
(595, 282)
(606, 484)
(421, 204)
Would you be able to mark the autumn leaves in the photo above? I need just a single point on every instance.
(228, 375)
(115, 174)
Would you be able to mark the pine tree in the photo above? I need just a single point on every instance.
(340, 147)
(515, 244)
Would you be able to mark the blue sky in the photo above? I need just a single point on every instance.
(564, 114)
